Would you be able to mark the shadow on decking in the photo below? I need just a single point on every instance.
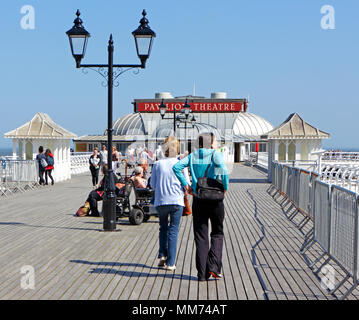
(248, 181)
(129, 273)
(11, 223)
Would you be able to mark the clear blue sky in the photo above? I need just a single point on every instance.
(275, 51)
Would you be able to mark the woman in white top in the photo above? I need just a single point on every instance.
(145, 155)
(95, 162)
(169, 202)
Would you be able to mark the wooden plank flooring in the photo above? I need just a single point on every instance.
(74, 260)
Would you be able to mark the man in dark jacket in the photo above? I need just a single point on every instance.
(41, 159)
(97, 194)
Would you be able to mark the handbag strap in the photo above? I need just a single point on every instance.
(205, 174)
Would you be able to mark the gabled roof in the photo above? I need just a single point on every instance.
(40, 126)
(296, 127)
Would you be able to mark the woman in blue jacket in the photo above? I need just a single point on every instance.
(208, 258)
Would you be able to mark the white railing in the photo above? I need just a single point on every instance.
(340, 156)
(334, 212)
(341, 175)
(80, 162)
(18, 176)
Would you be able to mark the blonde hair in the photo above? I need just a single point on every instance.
(172, 146)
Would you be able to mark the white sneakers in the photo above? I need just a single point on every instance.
(169, 268)
(162, 264)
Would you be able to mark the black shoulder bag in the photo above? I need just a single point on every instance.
(208, 188)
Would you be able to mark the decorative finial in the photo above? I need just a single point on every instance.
(144, 21)
(78, 21)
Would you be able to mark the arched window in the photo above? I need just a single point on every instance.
(29, 150)
(281, 152)
(291, 151)
(304, 150)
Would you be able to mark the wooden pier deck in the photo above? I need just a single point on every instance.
(72, 259)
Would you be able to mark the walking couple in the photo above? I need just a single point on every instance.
(46, 165)
(170, 179)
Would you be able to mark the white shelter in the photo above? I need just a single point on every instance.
(43, 131)
(294, 140)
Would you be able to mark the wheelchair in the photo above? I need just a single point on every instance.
(135, 203)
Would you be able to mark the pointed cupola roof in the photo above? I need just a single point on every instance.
(41, 126)
(294, 127)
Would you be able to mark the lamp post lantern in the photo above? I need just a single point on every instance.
(177, 120)
(143, 38)
(163, 109)
(78, 37)
(187, 109)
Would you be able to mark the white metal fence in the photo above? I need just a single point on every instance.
(346, 176)
(18, 176)
(334, 212)
(340, 156)
(80, 162)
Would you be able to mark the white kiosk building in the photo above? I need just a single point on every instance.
(43, 131)
(294, 141)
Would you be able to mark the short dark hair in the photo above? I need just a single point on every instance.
(205, 140)
(41, 149)
(104, 169)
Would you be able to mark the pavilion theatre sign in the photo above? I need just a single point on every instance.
(196, 106)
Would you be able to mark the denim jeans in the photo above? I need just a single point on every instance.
(169, 231)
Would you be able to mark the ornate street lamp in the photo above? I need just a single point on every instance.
(163, 109)
(78, 37)
(144, 38)
(187, 109)
(177, 120)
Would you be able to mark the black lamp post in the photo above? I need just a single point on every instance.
(177, 120)
(78, 37)
(186, 110)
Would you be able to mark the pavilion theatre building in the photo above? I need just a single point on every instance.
(237, 129)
